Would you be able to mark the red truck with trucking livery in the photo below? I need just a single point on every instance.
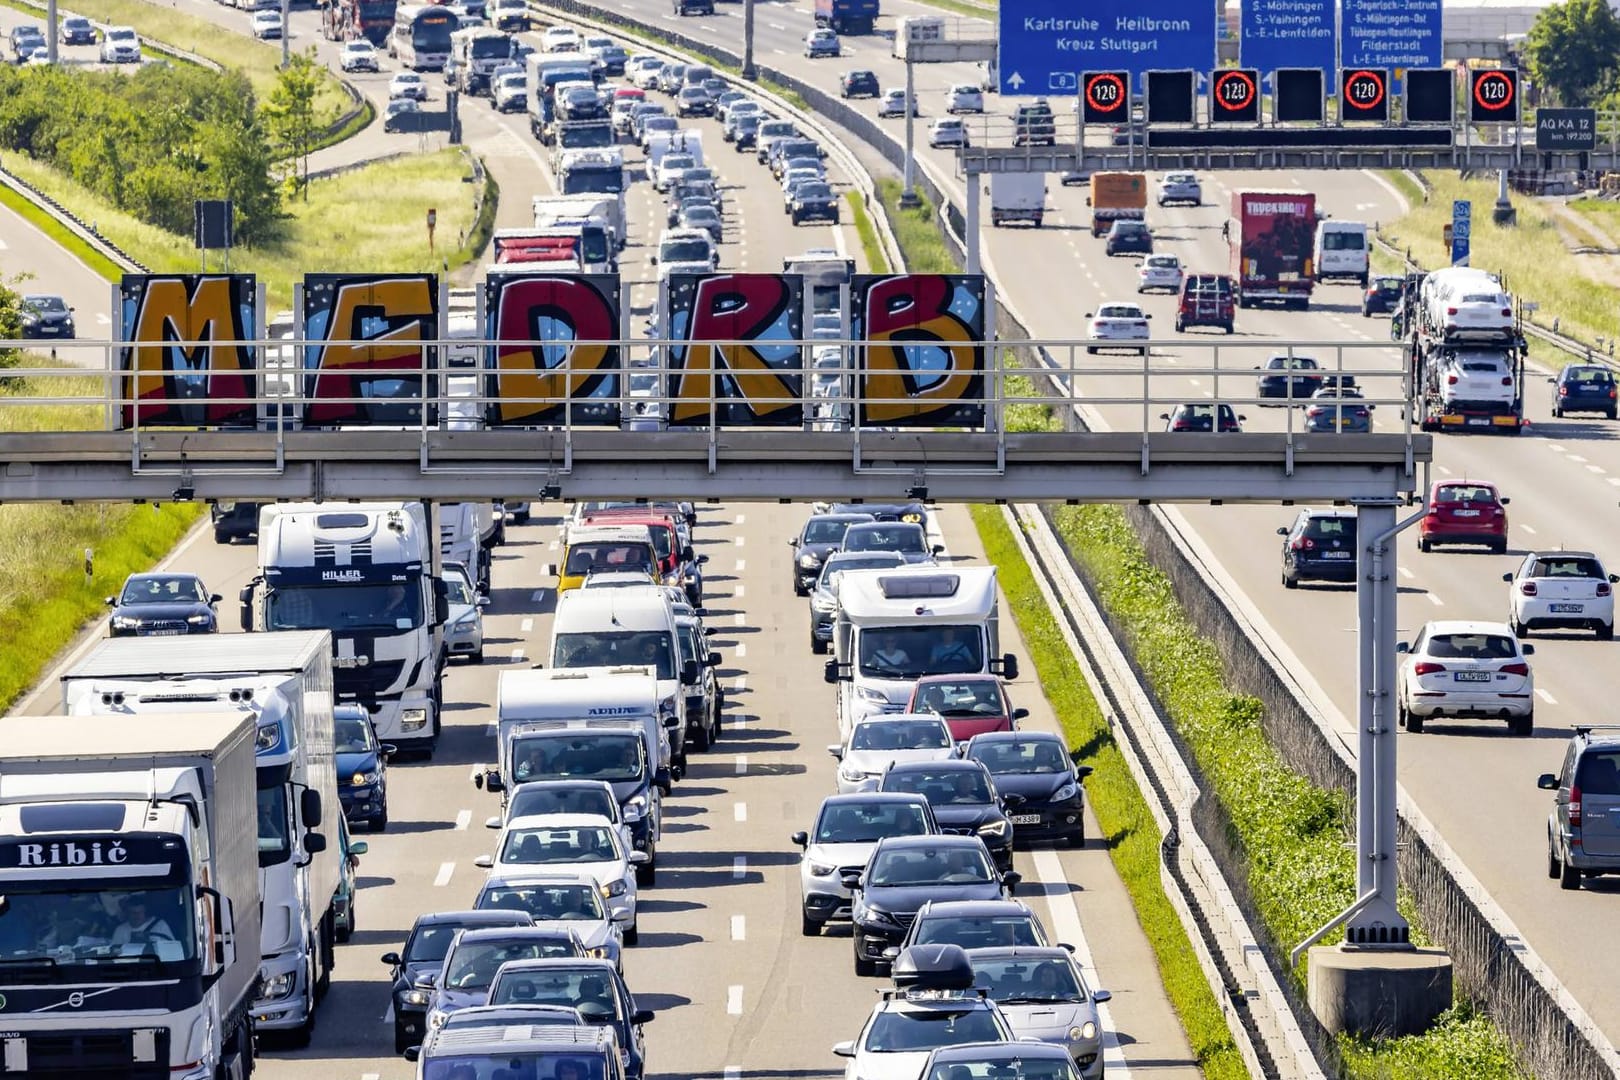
(1271, 237)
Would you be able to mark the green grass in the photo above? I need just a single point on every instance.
(1604, 213)
(1402, 182)
(357, 122)
(1531, 255)
(328, 233)
(1122, 814)
(875, 259)
(60, 234)
(916, 230)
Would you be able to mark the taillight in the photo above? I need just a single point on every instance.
(1451, 380)
(1611, 393)
(1563, 391)
(1427, 667)
(1515, 669)
(1496, 510)
(1507, 380)
(1304, 543)
(1574, 804)
(1451, 311)
(1603, 588)
(1528, 588)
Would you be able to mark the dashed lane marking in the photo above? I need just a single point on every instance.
(739, 928)
(742, 564)
(742, 649)
(740, 811)
(1529, 529)
(1404, 572)
(463, 819)
(446, 871)
(734, 1008)
(1544, 696)
(739, 867)
(740, 592)
(742, 764)
(526, 626)
(1435, 600)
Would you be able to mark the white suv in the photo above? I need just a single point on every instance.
(1469, 670)
(120, 45)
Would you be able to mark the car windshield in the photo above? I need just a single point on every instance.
(473, 967)
(1119, 311)
(586, 989)
(941, 787)
(609, 756)
(458, 591)
(684, 251)
(92, 926)
(891, 536)
(1015, 981)
(549, 844)
(920, 866)
(901, 1031)
(566, 902)
(541, 798)
(1579, 375)
(970, 697)
(1472, 647)
(813, 189)
(1464, 493)
(163, 590)
(1566, 566)
(431, 944)
(609, 555)
(866, 823)
(601, 649)
(46, 305)
(1021, 757)
(900, 735)
(501, 1064)
(1330, 528)
(910, 652)
(975, 932)
(117, 34)
(353, 735)
(824, 531)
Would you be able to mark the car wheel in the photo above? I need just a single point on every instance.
(818, 646)
(808, 926)
(1414, 723)
(1611, 414)
(1400, 713)
(1522, 726)
(379, 823)
(1179, 326)
(700, 738)
(1424, 544)
(477, 657)
(1558, 414)
(632, 935)
(647, 873)
(1519, 629)
(1554, 867)
(864, 968)
(1605, 631)
(1289, 582)
(1077, 839)
(1568, 876)
(401, 1040)
(1091, 350)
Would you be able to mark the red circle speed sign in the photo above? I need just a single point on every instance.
(1364, 89)
(1105, 92)
(1493, 90)
(1234, 90)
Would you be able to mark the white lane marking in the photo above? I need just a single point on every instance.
(741, 683)
(526, 626)
(1576, 458)
(1528, 529)
(371, 1076)
(463, 819)
(1066, 928)
(742, 649)
(1405, 573)
(1544, 696)
(742, 519)
(1435, 600)
(446, 870)
(1615, 480)
(734, 1008)
(740, 811)
(739, 867)
(552, 546)
(741, 620)
(742, 564)
(1441, 469)
(739, 928)
(741, 540)
(490, 729)
(742, 764)
(517, 653)
(388, 1014)
(2, 245)
(740, 592)
(1596, 469)
(776, 26)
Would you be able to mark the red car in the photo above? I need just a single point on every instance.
(1465, 512)
(969, 704)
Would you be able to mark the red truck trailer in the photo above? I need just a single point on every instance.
(1270, 236)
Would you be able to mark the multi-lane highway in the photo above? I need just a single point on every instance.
(1475, 783)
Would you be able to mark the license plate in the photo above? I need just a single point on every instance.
(1478, 421)
(1565, 609)
(1025, 819)
(1465, 513)
(1335, 554)
(1472, 676)
(158, 633)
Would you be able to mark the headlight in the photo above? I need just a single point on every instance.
(199, 619)
(467, 621)
(277, 987)
(809, 560)
(852, 773)
(994, 828)
(416, 997)
(125, 622)
(599, 952)
(1066, 792)
(636, 808)
(872, 914)
(667, 706)
(361, 779)
(614, 888)
(1088, 1030)
(412, 719)
(821, 869)
(871, 694)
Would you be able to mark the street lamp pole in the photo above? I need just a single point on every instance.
(748, 71)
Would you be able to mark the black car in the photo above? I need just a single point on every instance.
(976, 924)
(822, 535)
(743, 130)
(1382, 297)
(814, 201)
(235, 521)
(362, 768)
(78, 30)
(1296, 378)
(1583, 388)
(1129, 237)
(1038, 767)
(157, 604)
(964, 799)
(592, 987)
(46, 317)
(1319, 546)
(1200, 416)
(914, 513)
(423, 954)
(854, 84)
(903, 874)
(1034, 125)
(694, 101)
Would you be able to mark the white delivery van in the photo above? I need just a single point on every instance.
(895, 626)
(1340, 251)
(1017, 197)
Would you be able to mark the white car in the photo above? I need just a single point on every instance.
(587, 844)
(509, 93)
(905, 1028)
(358, 55)
(880, 741)
(267, 24)
(1466, 669)
(1476, 379)
(408, 84)
(893, 103)
(964, 98)
(560, 39)
(1561, 590)
(1159, 272)
(947, 131)
(120, 45)
(1479, 310)
(645, 76)
(847, 828)
(669, 167)
(1180, 187)
(1117, 323)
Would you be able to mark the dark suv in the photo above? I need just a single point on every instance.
(1206, 300)
(855, 84)
(1583, 830)
(1034, 125)
(1128, 237)
(1319, 546)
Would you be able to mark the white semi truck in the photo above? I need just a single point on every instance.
(283, 681)
(129, 926)
(364, 571)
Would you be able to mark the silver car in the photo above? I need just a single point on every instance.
(1583, 831)
(1043, 996)
(888, 739)
(846, 829)
(1180, 187)
(464, 629)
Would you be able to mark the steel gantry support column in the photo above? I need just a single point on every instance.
(908, 197)
(971, 222)
(748, 69)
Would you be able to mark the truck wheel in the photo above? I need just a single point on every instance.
(818, 646)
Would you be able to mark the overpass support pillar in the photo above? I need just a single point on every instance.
(971, 224)
(1376, 982)
(908, 197)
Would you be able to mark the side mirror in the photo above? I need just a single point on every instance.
(1012, 800)
(662, 781)
(482, 601)
(214, 598)
(1547, 781)
(111, 601)
(427, 980)
(836, 751)
(1011, 879)
(1403, 647)
(637, 858)
(413, 1053)
(441, 601)
(309, 808)
(801, 838)
(892, 953)
(388, 750)
(314, 843)
(1282, 530)
(1020, 714)
(1147, 315)
(1528, 650)
(713, 659)
(672, 722)
(1164, 416)
(939, 549)
(391, 958)
(829, 671)
(484, 862)
(550, 569)
(1504, 500)
(1100, 997)
(1613, 578)
(1009, 666)
(493, 782)
(642, 1016)
(493, 823)
(1552, 378)
(701, 559)
(1090, 315)
(358, 847)
(1507, 577)
(1082, 771)
(845, 1049)
(851, 880)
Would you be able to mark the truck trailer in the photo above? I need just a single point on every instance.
(1116, 196)
(848, 16)
(1466, 350)
(1272, 246)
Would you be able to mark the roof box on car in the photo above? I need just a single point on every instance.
(933, 967)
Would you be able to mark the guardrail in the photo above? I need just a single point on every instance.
(74, 224)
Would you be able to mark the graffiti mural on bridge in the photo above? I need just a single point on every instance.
(558, 342)
(924, 357)
(187, 351)
(393, 314)
(743, 352)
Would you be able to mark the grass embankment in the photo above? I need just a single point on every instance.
(875, 259)
(327, 233)
(1531, 255)
(60, 234)
(45, 597)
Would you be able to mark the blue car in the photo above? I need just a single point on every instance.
(362, 768)
(1584, 388)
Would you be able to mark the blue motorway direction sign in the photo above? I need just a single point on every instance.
(1046, 44)
(1392, 34)
(1462, 224)
(1288, 34)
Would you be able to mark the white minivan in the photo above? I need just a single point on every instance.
(1341, 251)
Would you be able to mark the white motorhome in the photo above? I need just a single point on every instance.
(364, 571)
(1341, 251)
(682, 141)
(895, 626)
(475, 53)
(598, 172)
(284, 682)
